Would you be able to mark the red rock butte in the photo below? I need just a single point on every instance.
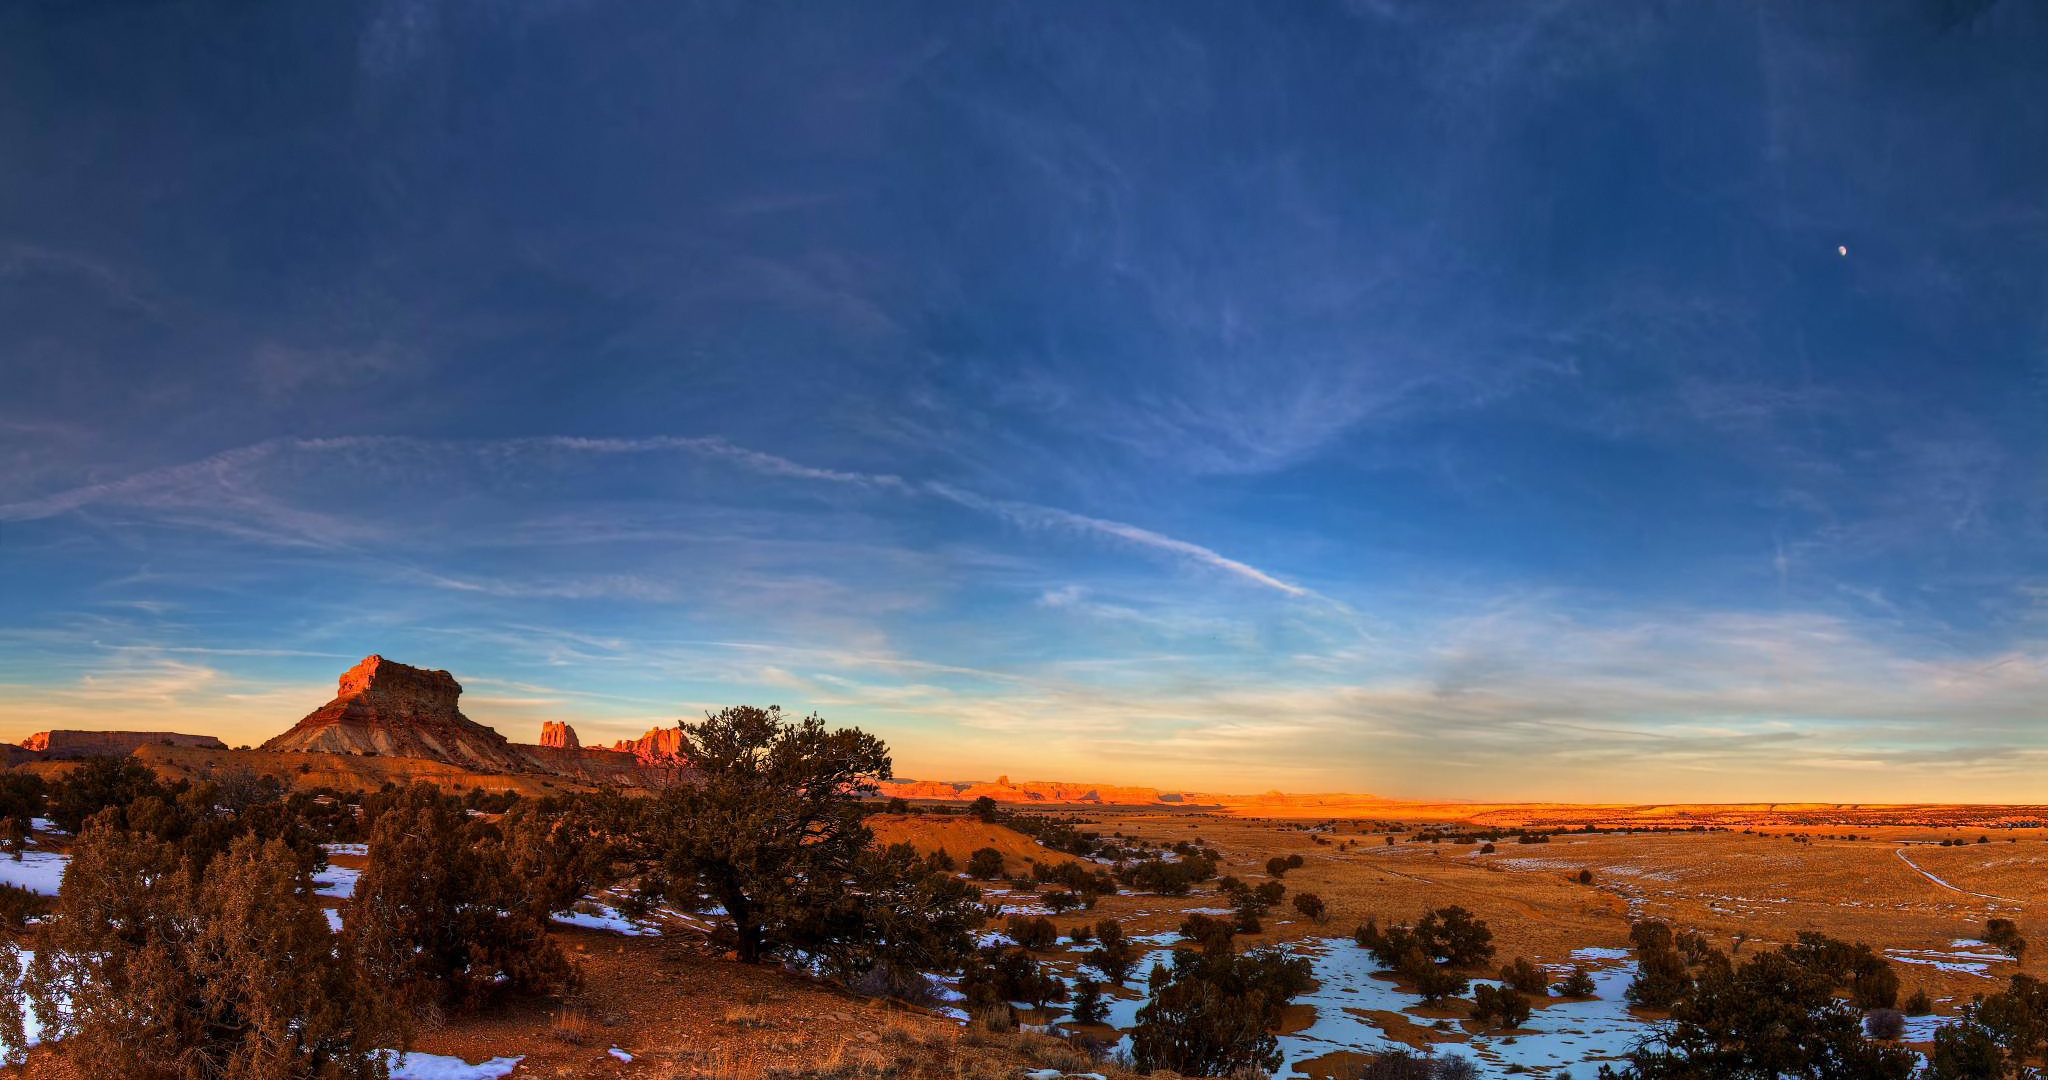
(396, 710)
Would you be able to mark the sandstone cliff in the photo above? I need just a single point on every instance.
(396, 710)
(556, 734)
(660, 746)
(79, 744)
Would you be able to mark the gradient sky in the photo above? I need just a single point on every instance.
(1445, 398)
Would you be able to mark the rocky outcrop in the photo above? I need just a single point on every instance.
(396, 710)
(660, 746)
(558, 735)
(81, 744)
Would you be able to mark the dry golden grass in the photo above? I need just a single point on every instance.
(960, 837)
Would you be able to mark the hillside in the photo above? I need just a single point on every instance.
(962, 836)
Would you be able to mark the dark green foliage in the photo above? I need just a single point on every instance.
(1081, 934)
(1434, 982)
(2005, 934)
(1454, 936)
(22, 795)
(985, 864)
(1501, 1007)
(98, 783)
(1002, 974)
(1169, 878)
(1088, 1007)
(1115, 953)
(1578, 985)
(1997, 1037)
(18, 905)
(1920, 1004)
(983, 809)
(1036, 934)
(1771, 1018)
(1060, 901)
(1661, 979)
(1212, 934)
(440, 918)
(1212, 1015)
(1526, 977)
(1312, 907)
(1276, 866)
(174, 974)
(772, 829)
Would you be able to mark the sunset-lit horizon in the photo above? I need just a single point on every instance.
(1578, 403)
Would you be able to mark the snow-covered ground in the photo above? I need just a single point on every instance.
(1561, 1034)
(336, 881)
(417, 1066)
(38, 871)
(347, 849)
(607, 918)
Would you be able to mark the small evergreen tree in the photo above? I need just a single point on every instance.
(1115, 953)
(985, 864)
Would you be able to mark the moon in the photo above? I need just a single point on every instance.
(1842, 249)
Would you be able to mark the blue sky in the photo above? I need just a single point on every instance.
(1426, 399)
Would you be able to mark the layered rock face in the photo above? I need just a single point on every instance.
(660, 746)
(560, 736)
(397, 710)
(79, 744)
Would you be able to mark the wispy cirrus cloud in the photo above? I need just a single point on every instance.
(244, 492)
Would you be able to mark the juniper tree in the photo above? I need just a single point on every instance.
(148, 969)
(1213, 1015)
(771, 827)
(440, 918)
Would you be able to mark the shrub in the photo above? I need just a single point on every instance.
(1579, 984)
(1771, 1017)
(1080, 933)
(1499, 1007)
(1526, 977)
(18, 906)
(1060, 901)
(438, 918)
(1115, 953)
(1661, 979)
(1585, 877)
(1453, 935)
(149, 970)
(2005, 934)
(1213, 1015)
(1886, 1024)
(1919, 1004)
(1036, 934)
(1276, 866)
(1003, 975)
(1088, 1005)
(1212, 934)
(985, 864)
(1312, 907)
(98, 783)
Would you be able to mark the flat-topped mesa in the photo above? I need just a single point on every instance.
(79, 744)
(396, 710)
(559, 735)
(660, 746)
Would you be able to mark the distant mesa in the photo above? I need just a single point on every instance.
(84, 744)
(559, 736)
(396, 710)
